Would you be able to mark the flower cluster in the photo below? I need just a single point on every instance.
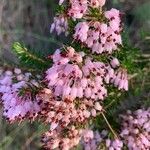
(72, 78)
(74, 88)
(101, 32)
(87, 138)
(60, 25)
(79, 8)
(95, 140)
(101, 36)
(134, 134)
(73, 75)
(120, 80)
(61, 113)
(56, 139)
(78, 84)
(17, 100)
(136, 129)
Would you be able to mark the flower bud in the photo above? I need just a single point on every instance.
(114, 63)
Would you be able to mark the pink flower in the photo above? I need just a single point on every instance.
(121, 80)
(108, 142)
(97, 3)
(78, 9)
(80, 92)
(98, 106)
(102, 3)
(73, 93)
(101, 37)
(71, 52)
(60, 2)
(103, 28)
(60, 24)
(84, 82)
(133, 133)
(53, 126)
(93, 112)
(17, 71)
(16, 106)
(87, 135)
(114, 63)
(81, 30)
(113, 13)
(88, 93)
(86, 113)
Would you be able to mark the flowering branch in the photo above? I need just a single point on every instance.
(79, 82)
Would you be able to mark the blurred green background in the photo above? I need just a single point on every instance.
(28, 22)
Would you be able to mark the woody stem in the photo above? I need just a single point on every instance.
(115, 135)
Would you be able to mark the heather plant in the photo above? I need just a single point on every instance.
(72, 89)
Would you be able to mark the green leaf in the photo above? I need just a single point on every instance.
(29, 59)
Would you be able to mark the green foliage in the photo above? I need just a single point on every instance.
(60, 9)
(127, 55)
(29, 59)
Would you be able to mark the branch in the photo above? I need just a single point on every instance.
(112, 130)
(29, 59)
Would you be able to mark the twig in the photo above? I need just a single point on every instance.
(110, 104)
(145, 60)
(147, 38)
(115, 135)
(144, 55)
(132, 76)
